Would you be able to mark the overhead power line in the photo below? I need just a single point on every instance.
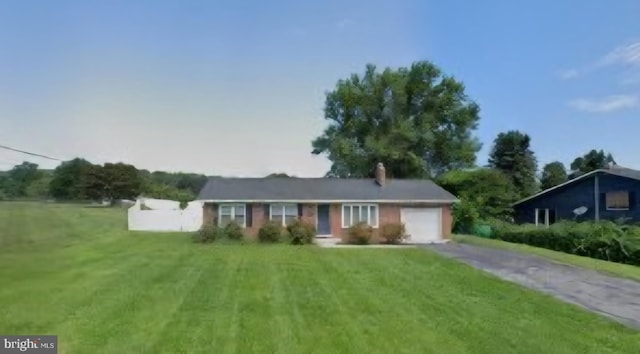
(29, 153)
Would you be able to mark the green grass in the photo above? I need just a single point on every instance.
(618, 269)
(75, 272)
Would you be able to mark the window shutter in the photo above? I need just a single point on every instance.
(266, 212)
(299, 210)
(632, 200)
(248, 211)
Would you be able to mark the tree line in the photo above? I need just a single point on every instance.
(421, 124)
(79, 179)
(417, 120)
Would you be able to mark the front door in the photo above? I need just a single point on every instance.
(324, 223)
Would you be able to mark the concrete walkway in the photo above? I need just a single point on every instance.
(614, 297)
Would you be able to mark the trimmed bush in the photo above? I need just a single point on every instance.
(206, 234)
(233, 231)
(393, 233)
(604, 240)
(301, 233)
(360, 234)
(465, 215)
(271, 232)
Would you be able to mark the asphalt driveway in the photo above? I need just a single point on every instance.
(614, 297)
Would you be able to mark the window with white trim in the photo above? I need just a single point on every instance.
(232, 212)
(355, 213)
(284, 214)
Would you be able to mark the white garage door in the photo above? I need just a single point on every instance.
(422, 224)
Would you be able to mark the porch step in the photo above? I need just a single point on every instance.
(327, 241)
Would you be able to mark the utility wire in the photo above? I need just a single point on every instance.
(29, 153)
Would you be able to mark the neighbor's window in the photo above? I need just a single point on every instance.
(355, 213)
(229, 212)
(617, 200)
(284, 214)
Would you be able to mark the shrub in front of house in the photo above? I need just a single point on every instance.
(301, 233)
(393, 233)
(359, 234)
(465, 216)
(271, 232)
(233, 231)
(206, 234)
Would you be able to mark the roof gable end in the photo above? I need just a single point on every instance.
(616, 171)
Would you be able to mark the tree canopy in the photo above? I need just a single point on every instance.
(417, 121)
(591, 161)
(553, 174)
(17, 180)
(512, 154)
(70, 179)
(79, 179)
(490, 191)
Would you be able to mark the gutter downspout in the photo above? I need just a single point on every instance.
(596, 192)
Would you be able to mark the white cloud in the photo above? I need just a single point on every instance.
(626, 55)
(606, 104)
(630, 79)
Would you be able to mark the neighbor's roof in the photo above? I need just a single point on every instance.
(616, 171)
(322, 189)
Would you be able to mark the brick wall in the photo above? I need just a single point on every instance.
(447, 221)
(389, 213)
(258, 219)
(309, 214)
(209, 214)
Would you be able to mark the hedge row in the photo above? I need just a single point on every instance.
(298, 233)
(602, 240)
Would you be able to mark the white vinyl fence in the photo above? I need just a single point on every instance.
(164, 215)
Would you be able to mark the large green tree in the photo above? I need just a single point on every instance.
(70, 179)
(121, 181)
(490, 191)
(591, 161)
(112, 181)
(17, 180)
(512, 154)
(553, 174)
(417, 121)
(179, 180)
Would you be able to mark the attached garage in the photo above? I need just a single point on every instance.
(424, 225)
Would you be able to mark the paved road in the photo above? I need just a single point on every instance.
(614, 297)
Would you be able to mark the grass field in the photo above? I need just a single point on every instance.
(617, 269)
(75, 272)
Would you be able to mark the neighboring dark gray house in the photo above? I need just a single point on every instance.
(330, 204)
(605, 194)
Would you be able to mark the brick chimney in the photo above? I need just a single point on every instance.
(380, 174)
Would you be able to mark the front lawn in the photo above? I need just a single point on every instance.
(77, 273)
(618, 269)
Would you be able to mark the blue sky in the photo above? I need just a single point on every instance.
(237, 88)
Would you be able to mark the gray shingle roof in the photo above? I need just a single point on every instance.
(624, 172)
(321, 189)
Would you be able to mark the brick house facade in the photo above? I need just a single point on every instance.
(388, 214)
(331, 204)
